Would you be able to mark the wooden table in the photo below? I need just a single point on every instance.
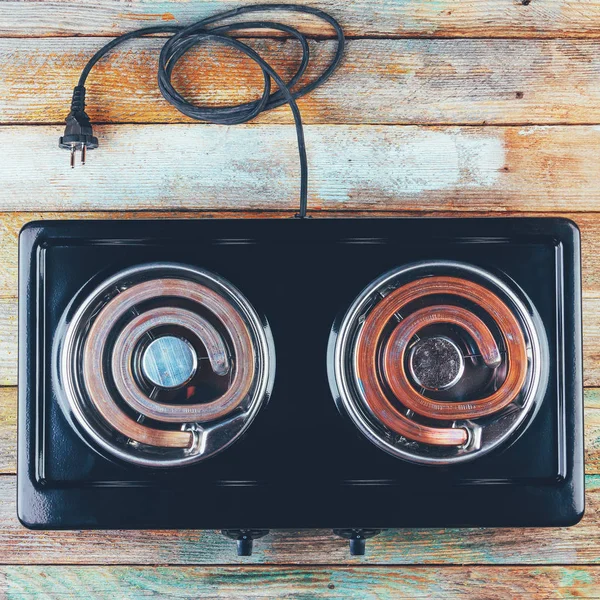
(447, 107)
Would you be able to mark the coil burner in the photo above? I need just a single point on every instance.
(439, 362)
(163, 364)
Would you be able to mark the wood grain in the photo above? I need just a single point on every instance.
(347, 583)
(8, 431)
(379, 82)
(8, 342)
(577, 545)
(245, 167)
(366, 154)
(385, 18)
(592, 432)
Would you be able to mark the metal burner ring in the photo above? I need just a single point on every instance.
(369, 355)
(98, 337)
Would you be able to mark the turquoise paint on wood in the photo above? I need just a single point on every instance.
(370, 167)
(347, 583)
(383, 18)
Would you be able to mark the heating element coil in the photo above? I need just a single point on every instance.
(164, 364)
(438, 362)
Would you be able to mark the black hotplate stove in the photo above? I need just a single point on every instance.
(354, 374)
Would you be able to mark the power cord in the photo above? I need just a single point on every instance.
(79, 136)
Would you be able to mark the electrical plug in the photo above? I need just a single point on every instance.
(78, 136)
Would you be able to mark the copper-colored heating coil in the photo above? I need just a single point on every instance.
(369, 340)
(395, 371)
(122, 367)
(95, 344)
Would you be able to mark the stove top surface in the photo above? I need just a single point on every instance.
(301, 461)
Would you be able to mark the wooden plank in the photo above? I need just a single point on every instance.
(187, 166)
(592, 398)
(11, 223)
(8, 431)
(575, 545)
(478, 18)
(591, 341)
(380, 81)
(8, 342)
(592, 433)
(348, 583)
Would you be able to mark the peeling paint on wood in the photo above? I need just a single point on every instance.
(591, 341)
(592, 434)
(8, 342)
(385, 18)
(347, 583)
(351, 167)
(380, 81)
(8, 430)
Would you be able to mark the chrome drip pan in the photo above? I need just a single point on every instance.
(422, 433)
(107, 335)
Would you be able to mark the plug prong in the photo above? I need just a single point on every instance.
(78, 135)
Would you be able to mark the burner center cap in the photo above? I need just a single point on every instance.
(436, 363)
(169, 362)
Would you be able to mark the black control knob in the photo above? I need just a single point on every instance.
(244, 538)
(358, 538)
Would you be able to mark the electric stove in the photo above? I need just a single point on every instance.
(353, 374)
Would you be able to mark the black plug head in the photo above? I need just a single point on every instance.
(78, 135)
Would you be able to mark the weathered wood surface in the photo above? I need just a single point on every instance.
(379, 82)
(574, 545)
(8, 431)
(344, 583)
(592, 431)
(385, 18)
(363, 157)
(8, 342)
(372, 167)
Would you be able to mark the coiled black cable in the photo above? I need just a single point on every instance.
(183, 39)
